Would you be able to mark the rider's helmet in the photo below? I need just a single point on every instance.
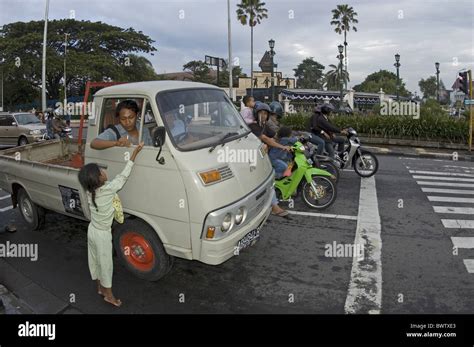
(276, 108)
(261, 106)
(326, 109)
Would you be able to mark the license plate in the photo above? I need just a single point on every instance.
(249, 239)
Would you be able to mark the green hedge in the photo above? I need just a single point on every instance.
(429, 127)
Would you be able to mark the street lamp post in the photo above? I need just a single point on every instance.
(271, 43)
(43, 65)
(1, 62)
(397, 65)
(437, 81)
(229, 42)
(65, 85)
(341, 80)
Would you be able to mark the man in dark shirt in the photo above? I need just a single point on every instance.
(322, 127)
(266, 135)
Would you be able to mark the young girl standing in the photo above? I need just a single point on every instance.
(101, 194)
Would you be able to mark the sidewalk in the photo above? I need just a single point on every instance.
(20, 295)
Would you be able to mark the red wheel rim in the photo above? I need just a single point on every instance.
(137, 251)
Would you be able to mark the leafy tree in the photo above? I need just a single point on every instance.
(342, 17)
(95, 51)
(332, 77)
(251, 12)
(224, 76)
(382, 79)
(200, 70)
(309, 74)
(428, 88)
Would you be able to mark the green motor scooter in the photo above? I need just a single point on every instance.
(315, 185)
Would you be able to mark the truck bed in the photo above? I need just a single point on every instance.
(48, 172)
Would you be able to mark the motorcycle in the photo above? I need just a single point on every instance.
(66, 133)
(365, 163)
(323, 162)
(316, 185)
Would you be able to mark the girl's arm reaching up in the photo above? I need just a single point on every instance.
(119, 181)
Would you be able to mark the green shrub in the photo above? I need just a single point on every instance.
(429, 127)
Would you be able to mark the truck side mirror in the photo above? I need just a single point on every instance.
(159, 136)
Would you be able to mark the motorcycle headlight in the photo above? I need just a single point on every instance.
(226, 223)
(239, 217)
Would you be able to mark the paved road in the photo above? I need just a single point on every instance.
(424, 208)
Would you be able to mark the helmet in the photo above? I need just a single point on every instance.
(261, 106)
(276, 108)
(326, 108)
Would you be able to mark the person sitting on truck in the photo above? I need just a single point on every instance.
(126, 132)
(101, 194)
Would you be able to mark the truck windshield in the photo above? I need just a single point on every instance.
(199, 118)
(27, 118)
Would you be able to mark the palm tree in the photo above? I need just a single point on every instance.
(251, 12)
(342, 17)
(332, 77)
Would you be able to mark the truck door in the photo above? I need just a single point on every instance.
(155, 191)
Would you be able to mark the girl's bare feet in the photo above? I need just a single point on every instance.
(112, 300)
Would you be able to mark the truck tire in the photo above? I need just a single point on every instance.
(140, 250)
(32, 214)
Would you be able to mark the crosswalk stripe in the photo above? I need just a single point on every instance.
(458, 223)
(439, 173)
(446, 184)
(6, 208)
(451, 199)
(448, 191)
(463, 242)
(469, 265)
(456, 210)
(439, 178)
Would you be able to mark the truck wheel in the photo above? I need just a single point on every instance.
(141, 251)
(22, 141)
(32, 214)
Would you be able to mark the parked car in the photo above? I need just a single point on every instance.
(19, 129)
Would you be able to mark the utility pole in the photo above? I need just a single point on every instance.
(43, 74)
(231, 84)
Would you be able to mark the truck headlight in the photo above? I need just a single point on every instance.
(239, 217)
(226, 223)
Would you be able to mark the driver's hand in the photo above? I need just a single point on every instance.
(124, 142)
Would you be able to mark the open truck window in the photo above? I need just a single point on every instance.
(199, 118)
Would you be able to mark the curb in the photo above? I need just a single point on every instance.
(427, 155)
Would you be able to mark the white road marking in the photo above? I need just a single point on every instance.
(469, 265)
(463, 242)
(443, 178)
(365, 287)
(446, 184)
(448, 191)
(458, 223)
(451, 199)
(4, 197)
(323, 215)
(439, 173)
(456, 210)
(6, 208)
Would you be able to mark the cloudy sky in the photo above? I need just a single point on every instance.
(421, 31)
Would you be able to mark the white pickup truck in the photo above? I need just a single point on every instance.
(185, 198)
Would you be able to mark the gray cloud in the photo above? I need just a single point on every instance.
(429, 31)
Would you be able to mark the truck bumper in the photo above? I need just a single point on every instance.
(214, 252)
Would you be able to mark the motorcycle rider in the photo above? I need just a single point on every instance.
(324, 129)
(276, 113)
(58, 124)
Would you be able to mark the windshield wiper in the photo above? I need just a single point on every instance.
(230, 134)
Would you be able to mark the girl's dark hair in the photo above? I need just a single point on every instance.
(89, 178)
(129, 105)
(284, 132)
